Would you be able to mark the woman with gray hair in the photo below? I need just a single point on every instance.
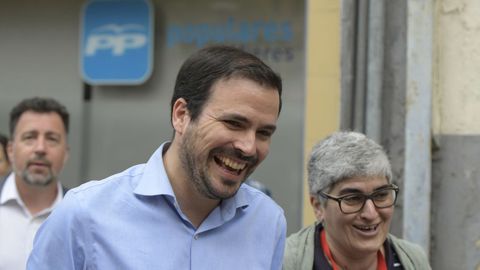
(353, 198)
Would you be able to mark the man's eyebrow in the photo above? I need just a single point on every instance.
(243, 119)
(234, 116)
(54, 133)
(29, 132)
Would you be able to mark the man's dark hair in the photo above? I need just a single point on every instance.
(211, 64)
(38, 105)
(4, 142)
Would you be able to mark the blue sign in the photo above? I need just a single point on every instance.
(117, 42)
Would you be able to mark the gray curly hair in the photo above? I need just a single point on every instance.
(344, 155)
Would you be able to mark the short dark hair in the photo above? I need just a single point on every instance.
(38, 105)
(211, 64)
(4, 142)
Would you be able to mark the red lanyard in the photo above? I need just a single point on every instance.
(381, 263)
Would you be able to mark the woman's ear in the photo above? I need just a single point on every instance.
(317, 208)
(180, 116)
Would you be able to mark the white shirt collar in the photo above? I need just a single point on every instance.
(10, 192)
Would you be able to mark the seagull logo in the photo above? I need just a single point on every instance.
(118, 29)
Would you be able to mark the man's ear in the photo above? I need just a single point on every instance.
(10, 151)
(317, 207)
(180, 116)
(67, 155)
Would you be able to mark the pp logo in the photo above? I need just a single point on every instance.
(116, 38)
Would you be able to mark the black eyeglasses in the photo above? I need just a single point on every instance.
(353, 203)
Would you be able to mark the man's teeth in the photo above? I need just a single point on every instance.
(232, 164)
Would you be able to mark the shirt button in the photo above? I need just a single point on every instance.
(195, 236)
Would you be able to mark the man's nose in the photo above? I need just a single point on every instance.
(40, 145)
(246, 143)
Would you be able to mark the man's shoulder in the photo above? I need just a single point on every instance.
(258, 199)
(106, 187)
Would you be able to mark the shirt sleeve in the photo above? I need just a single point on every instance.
(60, 243)
(280, 246)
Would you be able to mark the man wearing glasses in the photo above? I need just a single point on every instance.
(353, 198)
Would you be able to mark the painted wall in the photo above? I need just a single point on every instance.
(323, 82)
(456, 125)
(457, 109)
(455, 216)
(122, 125)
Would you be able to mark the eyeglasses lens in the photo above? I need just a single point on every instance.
(381, 199)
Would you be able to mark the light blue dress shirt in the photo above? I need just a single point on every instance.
(132, 220)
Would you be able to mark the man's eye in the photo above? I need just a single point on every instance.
(28, 137)
(53, 139)
(233, 124)
(265, 133)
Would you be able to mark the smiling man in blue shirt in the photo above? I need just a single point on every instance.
(186, 208)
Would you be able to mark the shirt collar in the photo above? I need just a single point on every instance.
(10, 193)
(154, 181)
(55, 203)
(241, 199)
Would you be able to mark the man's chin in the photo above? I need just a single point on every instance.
(228, 191)
(38, 181)
(225, 195)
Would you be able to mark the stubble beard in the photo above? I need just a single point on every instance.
(35, 179)
(196, 172)
(38, 180)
